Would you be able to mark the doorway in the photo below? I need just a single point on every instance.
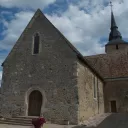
(35, 103)
(113, 106)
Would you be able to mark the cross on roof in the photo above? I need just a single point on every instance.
(111, 5)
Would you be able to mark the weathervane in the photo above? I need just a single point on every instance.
(111, 5)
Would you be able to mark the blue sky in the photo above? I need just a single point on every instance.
(85, 23)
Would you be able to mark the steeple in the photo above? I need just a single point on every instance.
(113, 22)
(114, 34)
(115, 39)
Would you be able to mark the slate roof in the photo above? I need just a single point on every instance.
(110, 65)
(114, 34)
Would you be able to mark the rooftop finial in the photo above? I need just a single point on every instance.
(111, 5)
(114, 34)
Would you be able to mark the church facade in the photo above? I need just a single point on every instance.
(45, 75)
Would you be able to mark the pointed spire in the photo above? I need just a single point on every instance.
(113, 22)
(114, 34)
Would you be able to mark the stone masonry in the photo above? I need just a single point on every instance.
(118, 91)
(65, 84)
(88, 105)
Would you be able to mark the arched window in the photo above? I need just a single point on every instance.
(95, 85)
(36, 43)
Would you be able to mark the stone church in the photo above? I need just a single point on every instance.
(45, 75)
(113, 67)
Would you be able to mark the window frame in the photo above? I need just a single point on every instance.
(33, 39)
(95, 87)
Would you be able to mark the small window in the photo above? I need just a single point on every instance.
(36, 44)
(117, 47)
(95, 87)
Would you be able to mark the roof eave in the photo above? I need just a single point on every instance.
(90, 67)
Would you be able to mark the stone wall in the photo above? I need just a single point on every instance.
(112, 48)
(52, 71)
(116, 90)
(64, 82)
(88, 105)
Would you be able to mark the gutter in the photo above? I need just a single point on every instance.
(115, 78)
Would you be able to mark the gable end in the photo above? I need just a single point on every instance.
(78, 54)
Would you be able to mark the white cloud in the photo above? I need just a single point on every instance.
(15, 28)
(6, 13)
(83, 29)
(34, 4)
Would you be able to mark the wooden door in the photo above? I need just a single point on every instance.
(35, 103)
(113, 106)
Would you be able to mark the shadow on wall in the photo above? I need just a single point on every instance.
(115, 120)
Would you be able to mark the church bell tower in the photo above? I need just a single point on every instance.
(116, 42)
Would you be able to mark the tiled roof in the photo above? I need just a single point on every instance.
(110, 65)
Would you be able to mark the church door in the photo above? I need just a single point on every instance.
(35, 103)
(113, 106)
